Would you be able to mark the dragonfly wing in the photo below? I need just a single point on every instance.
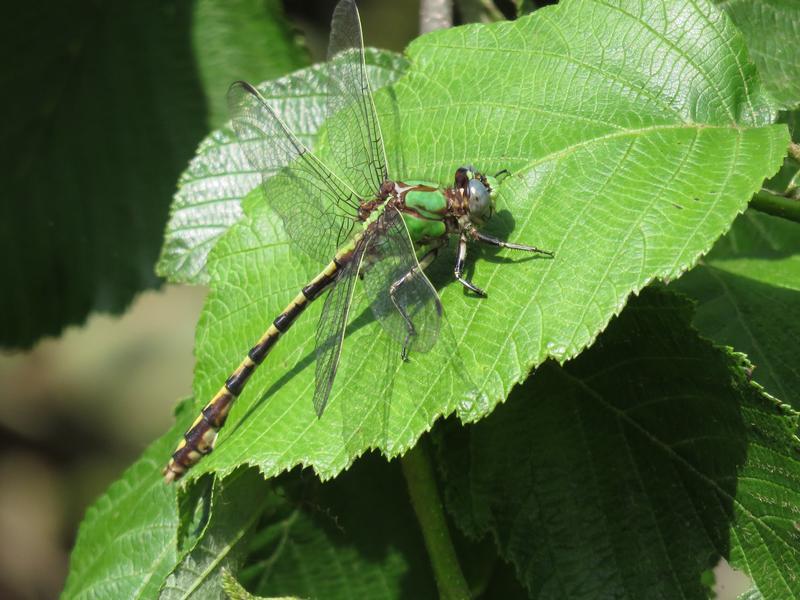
(332, 326)
(400, 294)
(354, 132)
(318, 209)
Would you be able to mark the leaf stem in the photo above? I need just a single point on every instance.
(776, 205)
(435, 14)
(421, 482)
(794, 151)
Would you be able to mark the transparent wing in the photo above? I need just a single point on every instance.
(318, 209)
(331, 328)
(401, 297)
(354, 132)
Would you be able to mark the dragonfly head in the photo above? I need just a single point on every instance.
(479, 190)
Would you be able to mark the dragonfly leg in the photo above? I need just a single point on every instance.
(458, 271)
(424, 263)
(493, 241)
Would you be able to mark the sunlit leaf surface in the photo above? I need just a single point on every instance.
(635, 134)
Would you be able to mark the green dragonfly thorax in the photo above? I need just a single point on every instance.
(425, 208)
(431, 212)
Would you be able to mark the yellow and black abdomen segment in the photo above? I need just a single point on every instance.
(200, 437)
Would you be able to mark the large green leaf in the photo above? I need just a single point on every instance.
(630, 471)
(749, 293)
(629, 158)
(771, 29)
(104, 104)
(210, 190)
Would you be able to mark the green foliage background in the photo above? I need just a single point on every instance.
(635, 447)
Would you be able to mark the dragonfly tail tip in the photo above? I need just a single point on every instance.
(170, 474)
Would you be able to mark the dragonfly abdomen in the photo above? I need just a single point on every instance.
(200, 437)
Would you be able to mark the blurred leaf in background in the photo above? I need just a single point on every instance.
(242, 39)
(105, 104)
(771, 28)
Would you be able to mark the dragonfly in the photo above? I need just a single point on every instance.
(383, 231)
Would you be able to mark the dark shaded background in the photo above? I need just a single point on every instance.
(77, 408)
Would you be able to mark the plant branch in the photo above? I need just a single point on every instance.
(428, 507)
(435, 14)
(794, 151)
(776, 205)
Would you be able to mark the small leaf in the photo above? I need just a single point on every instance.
(787, 181)
(235, 591)
(354, 537)
(629, 471)
(749, 293)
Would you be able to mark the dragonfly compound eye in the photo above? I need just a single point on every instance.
(480, 201)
